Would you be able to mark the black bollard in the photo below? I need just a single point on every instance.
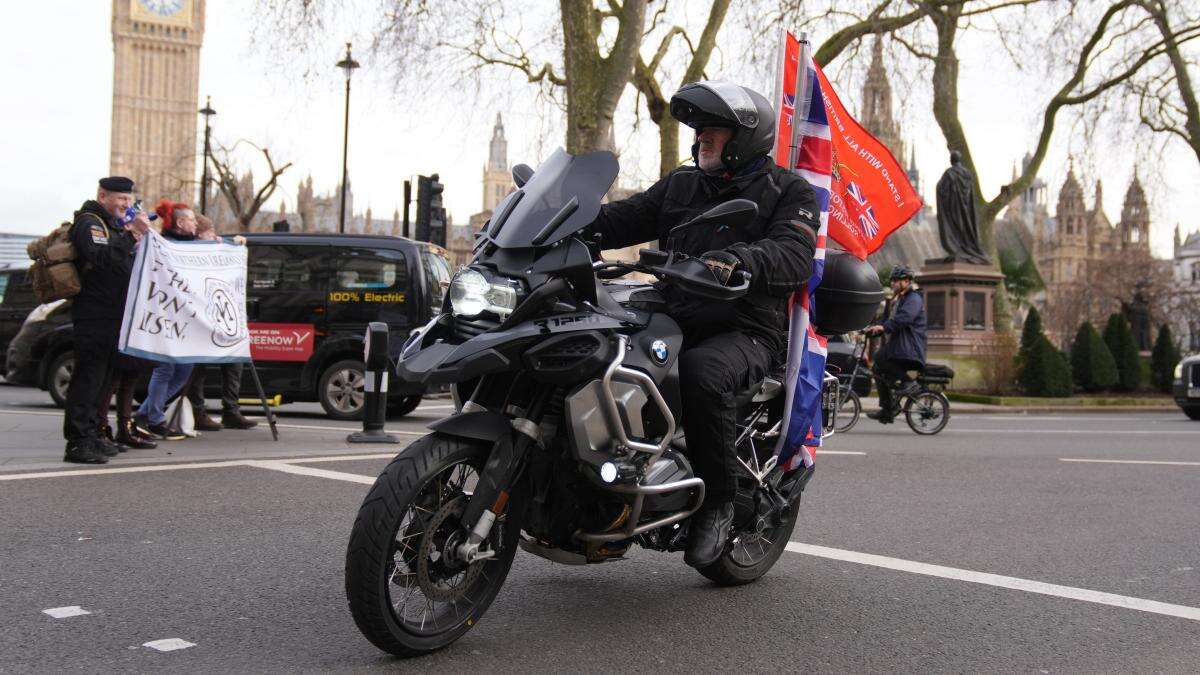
(375, 386)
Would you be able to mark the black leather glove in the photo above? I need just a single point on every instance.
(722, 264)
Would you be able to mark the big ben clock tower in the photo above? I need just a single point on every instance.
(156, 80)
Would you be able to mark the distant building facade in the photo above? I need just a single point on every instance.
(1072, 249)
(313, 212)
(156, 80)
(917, 241)
(1186, 269)
(497, 183)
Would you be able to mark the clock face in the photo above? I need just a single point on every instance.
(162, 7)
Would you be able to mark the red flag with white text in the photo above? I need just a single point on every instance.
(870, 195)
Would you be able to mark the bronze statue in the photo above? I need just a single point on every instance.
(957, 228)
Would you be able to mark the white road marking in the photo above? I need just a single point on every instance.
(822, 451)
(168, 644)
(198, 465)
(65, 612)
(1012, 583)
(1128, 461)
(347, 429)
(124, 469)
(339, 458)
(281, 425)
(310, 471)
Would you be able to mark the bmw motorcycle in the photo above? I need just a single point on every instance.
(567, 439)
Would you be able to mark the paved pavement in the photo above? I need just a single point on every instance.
(1039, 543)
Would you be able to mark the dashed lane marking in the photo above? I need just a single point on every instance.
(999, 581)
(168, 644)
(1128, 461)
(65, 612)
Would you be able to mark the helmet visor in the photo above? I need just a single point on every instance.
(739, 102)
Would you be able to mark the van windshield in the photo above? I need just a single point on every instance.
(525, 218)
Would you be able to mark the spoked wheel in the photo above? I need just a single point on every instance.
(848, 412)
(753, 550)
(927, 412)
(409, 592)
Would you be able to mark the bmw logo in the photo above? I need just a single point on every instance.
(659, 351)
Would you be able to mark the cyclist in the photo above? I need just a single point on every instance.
(904, 347)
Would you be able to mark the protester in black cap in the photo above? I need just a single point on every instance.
(104, 249)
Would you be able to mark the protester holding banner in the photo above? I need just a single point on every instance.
(727, 346)
(168, 378)
(104, 247)
(231, 373)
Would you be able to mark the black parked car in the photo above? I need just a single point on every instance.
(16, 302)
(1187, 386)
(309, 298)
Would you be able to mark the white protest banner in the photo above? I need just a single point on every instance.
(186, 302)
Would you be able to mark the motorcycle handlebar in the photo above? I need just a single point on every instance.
(689, 274)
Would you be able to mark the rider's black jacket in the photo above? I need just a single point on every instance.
(105, 260)
(776, 248)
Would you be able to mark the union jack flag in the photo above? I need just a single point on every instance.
(866, 216)
(789, 106)
(805, 375)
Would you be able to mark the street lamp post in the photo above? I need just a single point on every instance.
(347, 64)
(208, 112)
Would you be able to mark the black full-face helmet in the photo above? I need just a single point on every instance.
(723, 104)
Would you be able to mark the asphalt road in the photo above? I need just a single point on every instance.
(977, 549)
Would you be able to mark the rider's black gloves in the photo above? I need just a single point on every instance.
(722, 264)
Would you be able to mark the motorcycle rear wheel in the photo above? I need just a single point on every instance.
(752, 554)
(403, 594)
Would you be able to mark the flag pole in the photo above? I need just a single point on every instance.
(780, 69)
(803, 100)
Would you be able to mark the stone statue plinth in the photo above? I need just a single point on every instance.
(959, 300)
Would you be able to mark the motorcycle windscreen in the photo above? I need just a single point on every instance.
(561, 198)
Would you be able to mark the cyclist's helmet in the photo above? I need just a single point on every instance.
(713, 103)
(902, 272)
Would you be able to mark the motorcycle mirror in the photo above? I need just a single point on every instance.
(521, 174)
(734, 213)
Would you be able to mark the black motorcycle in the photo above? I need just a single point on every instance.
(567, 440)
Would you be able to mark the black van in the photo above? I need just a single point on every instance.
(309, 298)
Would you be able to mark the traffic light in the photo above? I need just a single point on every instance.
(431, 216)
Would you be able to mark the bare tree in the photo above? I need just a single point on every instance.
(1114, 45)
(244, 201)
(1166, 99)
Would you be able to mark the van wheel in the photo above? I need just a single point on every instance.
(340, 390)
(399, 407)
(58, 377)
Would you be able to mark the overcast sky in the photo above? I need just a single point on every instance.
(57, 115)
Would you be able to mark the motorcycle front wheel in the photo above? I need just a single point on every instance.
(751, 553)
(405, 594)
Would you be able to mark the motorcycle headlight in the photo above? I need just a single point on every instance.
(1179, 370)
(472, 294)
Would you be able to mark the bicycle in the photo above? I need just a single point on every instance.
(927, 410)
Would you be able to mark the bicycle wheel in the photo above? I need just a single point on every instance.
(848, 412)
(927, 412)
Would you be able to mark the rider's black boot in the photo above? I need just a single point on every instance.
(707, 535)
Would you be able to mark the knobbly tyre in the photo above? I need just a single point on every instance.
(568, 440)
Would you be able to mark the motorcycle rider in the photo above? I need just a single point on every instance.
(904, 349)
(728, 346)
